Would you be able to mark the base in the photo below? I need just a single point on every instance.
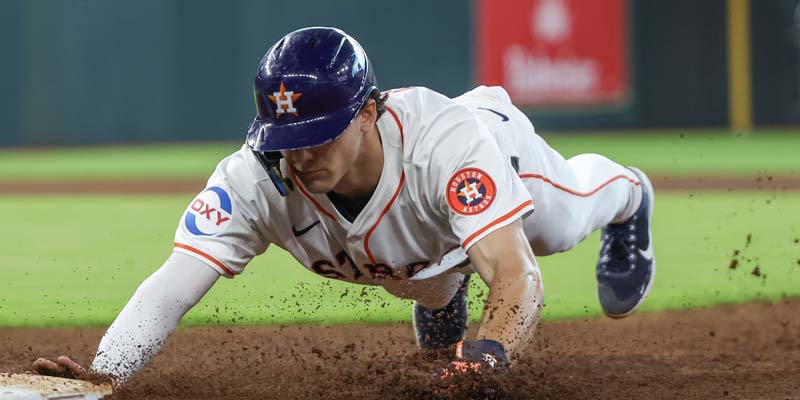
(38, 387)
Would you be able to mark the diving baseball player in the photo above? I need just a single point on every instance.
(405, 189)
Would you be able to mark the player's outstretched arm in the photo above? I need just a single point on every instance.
(505, 261)
(145, 323)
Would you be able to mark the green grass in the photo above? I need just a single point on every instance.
(140, 161)
(75, 261)
(691, 152)
(658, 152)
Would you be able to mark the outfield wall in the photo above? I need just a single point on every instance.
(84, 71)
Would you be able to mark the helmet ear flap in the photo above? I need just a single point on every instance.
(271, 161)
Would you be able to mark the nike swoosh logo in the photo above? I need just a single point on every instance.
(648, 252)
(301, 232)
(503, 116)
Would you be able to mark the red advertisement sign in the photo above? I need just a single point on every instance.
(555, 52)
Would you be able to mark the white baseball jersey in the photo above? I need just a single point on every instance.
(453, 173)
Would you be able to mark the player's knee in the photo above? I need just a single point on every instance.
(432, 293)
(563, 237)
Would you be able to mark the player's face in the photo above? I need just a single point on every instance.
(345, 163)
(320, 168)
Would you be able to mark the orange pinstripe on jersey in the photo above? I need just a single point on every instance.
(385, 210)
(399, 124)
(394, 197)
(303, 190)
(206, 256)
(495, 222)
(570, 191)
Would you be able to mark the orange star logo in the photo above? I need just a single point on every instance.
(471, 191)
(284, 101)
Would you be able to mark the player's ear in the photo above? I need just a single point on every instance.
(368, 115)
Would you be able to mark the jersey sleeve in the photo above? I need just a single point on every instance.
(222, 226)
(475, 184)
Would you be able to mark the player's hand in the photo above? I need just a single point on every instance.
(63, 367)
(473, 357)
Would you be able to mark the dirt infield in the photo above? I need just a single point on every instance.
(192, 185)
(738, 352)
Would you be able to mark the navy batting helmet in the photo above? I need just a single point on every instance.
(308, 88)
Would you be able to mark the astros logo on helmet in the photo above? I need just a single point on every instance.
(470, 191)
(285, 101)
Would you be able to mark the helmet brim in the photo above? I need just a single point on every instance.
(269, 136)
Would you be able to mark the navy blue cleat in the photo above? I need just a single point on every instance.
(442, 328)
(626, 267)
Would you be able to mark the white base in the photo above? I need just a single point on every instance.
(38, 387)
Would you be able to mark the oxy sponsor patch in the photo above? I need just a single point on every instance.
(470, 191)
(209, 213)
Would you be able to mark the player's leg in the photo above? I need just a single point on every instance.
(572, 197)
(588, 192)
(575, 197)
(440, 308)
(442, 327)
(626, 267)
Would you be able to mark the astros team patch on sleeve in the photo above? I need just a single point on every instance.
(470, 191)
(209, 213)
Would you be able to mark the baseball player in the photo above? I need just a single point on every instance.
(405, 189)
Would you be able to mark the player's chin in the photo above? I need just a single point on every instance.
(317, 182)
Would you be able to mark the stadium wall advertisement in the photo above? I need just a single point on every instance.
(148, 71)
(555, 52)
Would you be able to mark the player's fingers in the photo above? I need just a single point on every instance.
(463, 366)
(44, 366)
(70, 365)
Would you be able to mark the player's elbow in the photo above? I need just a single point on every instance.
(176, 287)
(526, 274)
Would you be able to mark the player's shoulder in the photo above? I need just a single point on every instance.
(431, 121)
(236, 164)
(416, 101)
(482, 95)
(420, 96)
(239, 171)
(412, 93)
(424, 112)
